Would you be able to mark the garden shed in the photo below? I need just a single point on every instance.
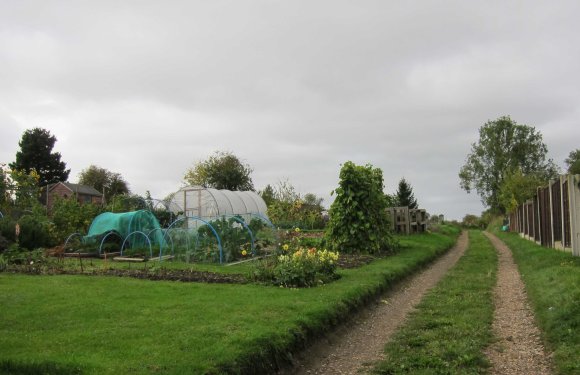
(208, 203)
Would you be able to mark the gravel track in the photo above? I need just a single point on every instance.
(355, 346)
(519, 348)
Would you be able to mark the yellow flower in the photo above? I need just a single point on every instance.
(297, 230)
(285, 247)
(244, 253)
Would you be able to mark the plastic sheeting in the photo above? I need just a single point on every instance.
(207, 203)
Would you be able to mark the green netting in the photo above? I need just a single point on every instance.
(127, 224)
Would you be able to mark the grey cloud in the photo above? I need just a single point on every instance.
(147, 88)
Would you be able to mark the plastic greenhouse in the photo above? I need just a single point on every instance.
(210, 225)
(207, 203)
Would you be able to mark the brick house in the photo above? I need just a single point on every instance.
(66, 190)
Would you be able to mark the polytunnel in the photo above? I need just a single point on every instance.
(197, 201)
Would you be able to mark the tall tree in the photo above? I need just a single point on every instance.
(517, 188)
(503, 145)
(222, 170)
(405, 196)
(573, 162)
(36, 154)
(105, 181)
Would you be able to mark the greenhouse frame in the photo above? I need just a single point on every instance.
(207, 203)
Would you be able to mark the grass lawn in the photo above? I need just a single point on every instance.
(107, 325)
(552, 280)
(452, 325)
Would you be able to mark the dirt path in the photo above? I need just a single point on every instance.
(355, 346)
(519, 349)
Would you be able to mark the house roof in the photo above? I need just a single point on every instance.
(79, 189)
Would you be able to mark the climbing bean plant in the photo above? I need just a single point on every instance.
(358, 219)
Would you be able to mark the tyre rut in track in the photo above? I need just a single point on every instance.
(518, 349)
(356, 345)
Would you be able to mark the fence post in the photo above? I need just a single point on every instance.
(574, 199)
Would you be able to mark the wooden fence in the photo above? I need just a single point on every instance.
(552, 217)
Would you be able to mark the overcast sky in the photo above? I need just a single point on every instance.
(293, 88)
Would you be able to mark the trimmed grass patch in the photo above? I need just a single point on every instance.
(452, 325)
(552, 281)
(100, 325)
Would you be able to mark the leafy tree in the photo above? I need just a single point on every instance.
(107, 182)
(222, 170)
(517, 188)
(470, 221)
(503, 145)
(358, 216)
(69, 216)
(573, 162)
(36, 154)
(405, 196)
(25, 190)
(126, 203)
(267, 195)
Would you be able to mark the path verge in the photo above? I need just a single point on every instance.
(451, 327)
(518, 349)
(361, 343)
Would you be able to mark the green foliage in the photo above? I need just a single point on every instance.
(288, 210)
(5, 198)
(358, 217)
(573, 162)
(69, 216)
(235, 240)
(405, 196)
(392, 200)
(7, 232)
(126, 203)
(107, 182)
(517, 188)
(222, 170)
(503, 145)
(35, 232)
(451, 327)
(23, 188)
(297, 266)
(36, 154)
(268, 195)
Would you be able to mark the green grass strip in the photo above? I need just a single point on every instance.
(452, 325)
(110, 325)
(552, 280)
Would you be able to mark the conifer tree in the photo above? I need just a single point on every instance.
(36, 154)
(405, 196)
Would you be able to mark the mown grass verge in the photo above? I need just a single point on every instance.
(452, 325)
(107, 325)
(552, 280)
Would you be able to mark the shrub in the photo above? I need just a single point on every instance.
(8, 229)
(296, 266)
(70, 216)
(358, 216)
(34, 232)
